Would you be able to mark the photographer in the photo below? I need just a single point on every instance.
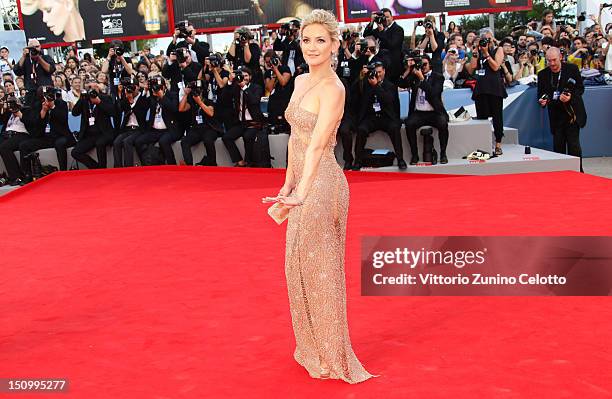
(525, 69)
(391, 38)
(426, 107)
(133, 106)
(117, 66)
(289, 44)
(185, 30)
(536, 57)
(15, 131)
(247, 104)
(379, 110)
(215, 74)
(205, 127)
(96, 111)
(490, 91)
(50, 127)
(347, 67)
(36, 68)
(180, 69)
(581, 53)
(432, 42)
(244, 52)
(278, 87)
(370, 52)
(162, 124)
(560, 89)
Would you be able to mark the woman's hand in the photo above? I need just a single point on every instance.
(290, 202)
(285, 190)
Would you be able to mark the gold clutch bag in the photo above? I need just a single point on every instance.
(278, 212)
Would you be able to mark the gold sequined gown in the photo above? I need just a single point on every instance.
(314, 259)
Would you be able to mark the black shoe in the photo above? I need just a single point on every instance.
(401, 164)
(414, 160)
(443, 158)
(434, 157)
(348, 166)
(356, 166)
(15, 182)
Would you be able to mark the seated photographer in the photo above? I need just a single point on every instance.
(185, 30)
(162, 125)
(204, 127)
(289, 43)
(35, 68)
(133, 105)
(96, 111)
(379, 110)
(426, 108)
(432, 42)
(245, 52)
(278, 88)
(116, 65)
(247, 105)
(49, 127)
(16, 128)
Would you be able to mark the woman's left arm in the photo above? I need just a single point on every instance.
(329, 114)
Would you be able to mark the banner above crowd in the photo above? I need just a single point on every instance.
(361, 10)
(225, 15)
(55, 22)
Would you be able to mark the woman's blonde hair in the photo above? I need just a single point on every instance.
(322, 17)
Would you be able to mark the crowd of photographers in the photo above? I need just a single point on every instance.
(193, 95)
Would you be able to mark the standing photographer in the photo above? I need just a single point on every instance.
(247, 104)
(36, 68)
(15, 130)
(379, 110)
(50, 127)
(245, 52)
(490, 90)
(162, 124)
(391, 38)
(133, 106)
(279, 87)
(560, 89)
(432, 42)
(185, 30)
(116, 65)
(348, 54)
(180, 69)
(289, 44)
(426, 107)
(205, 127)
(96, 111)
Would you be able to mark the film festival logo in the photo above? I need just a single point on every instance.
(115, 4)
(112, 26)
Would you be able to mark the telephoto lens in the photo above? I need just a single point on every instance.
(239, 76)
(119, 51)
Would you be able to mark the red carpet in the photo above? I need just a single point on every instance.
(168, 282)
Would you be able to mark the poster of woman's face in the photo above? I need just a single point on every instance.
(61, 20)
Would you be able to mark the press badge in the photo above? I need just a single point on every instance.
(346, 71)
(48, 129)
(199, 119)
(480, 72)
(116, 81)
(376, 106)
(556, 95)
(181, 85)
(92, 121)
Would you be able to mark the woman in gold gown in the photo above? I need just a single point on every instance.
(316, 196)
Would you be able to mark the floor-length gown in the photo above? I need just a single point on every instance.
(314, 258)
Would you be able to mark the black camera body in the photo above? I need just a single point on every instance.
(51, 93)
(484, 42)
(570, 86)
(243, 38)
(239, 76)
(215, 60)
(34, 52)
(197, 88)
(13, 104)
(119, 51)
(379, 18)
(275, 60)
(346, 35)
(156, 84)
(129, 85)
(182, 27)
(372, 73)
(428, 25)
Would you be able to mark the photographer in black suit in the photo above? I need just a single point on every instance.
(289, 43)
(117, 65)
(205, 126)
(96, 111)
(245, 52)
(560, 88)
(379, 110)
(16, 128)
(36, 69)
(162, 124)
(247, 104)
(426, 107)
(391, 37)
(133, 106)
(279, 85)
(50, 127)
(432, 43)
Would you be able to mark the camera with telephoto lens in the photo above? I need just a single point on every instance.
(119, 51)
(420, 22)
(484, 42)
(12, 104)
(215, 60)
(242, 38)
(363, 45)
(33, 51)
(274, 60)
(129, 85)
(372, 73)
(156, 84)
(582, 16)
(239, 76)
(196, 88)
(379, 17)
(183, 26)
(428, 25)
(50, 93)
(346, 35)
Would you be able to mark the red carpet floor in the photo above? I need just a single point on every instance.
(169, 282)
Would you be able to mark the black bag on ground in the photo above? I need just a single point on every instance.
(371, 160)
(429, 153)
(152, 155)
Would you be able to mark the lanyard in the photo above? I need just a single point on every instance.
(558, 81)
